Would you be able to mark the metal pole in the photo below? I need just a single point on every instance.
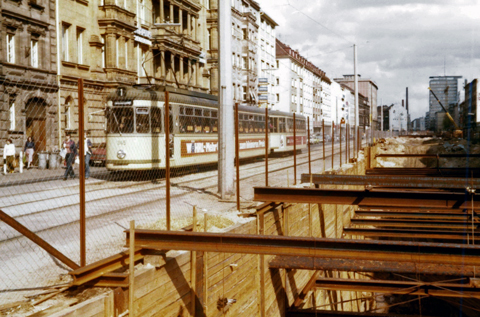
(308, 142)
(340, 137)
(225, 132)
(131, 266)
(167, 157)
(81, 142)
(323, 142)
(347, 147)
(333, 141)
(294, 150)
(237, 157)
(267, 126)
(356, 88)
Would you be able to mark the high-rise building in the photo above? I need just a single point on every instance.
(267, 62)
(446, 90)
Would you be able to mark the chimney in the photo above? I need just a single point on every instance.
(407, 100)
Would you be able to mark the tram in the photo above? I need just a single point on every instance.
(135, 129)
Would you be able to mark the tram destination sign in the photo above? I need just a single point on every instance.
(199, 147)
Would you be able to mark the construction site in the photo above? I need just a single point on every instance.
(390, 232)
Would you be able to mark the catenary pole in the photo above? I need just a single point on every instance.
(226, 143)
(355, 81)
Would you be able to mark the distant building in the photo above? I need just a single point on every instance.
(471, 103)
(446, 90)
(418, 124)
(398, 118)
(386, 117)
(267, 78)
(299, 85)
(368, 88)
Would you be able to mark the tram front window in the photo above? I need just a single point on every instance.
(143, 120)
(120, 120)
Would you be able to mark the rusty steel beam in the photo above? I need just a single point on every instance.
(409, 223)
(427, 155)
(331, 313)
(432, 172)
(410, 209)
(27, 233)
(374, 266)
(411, 234)
(392, 181)
(420, 252)
(399, 287)
(416, 214)
(98, 269)
(378, 198)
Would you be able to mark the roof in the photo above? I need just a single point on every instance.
(283, 50)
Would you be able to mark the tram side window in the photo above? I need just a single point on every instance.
(300, 125)
(290, 125)
(120, 120)
(186, 120)
(156, 120)
(273, 125)
(143, 120)
(214, 119)
(281, 125)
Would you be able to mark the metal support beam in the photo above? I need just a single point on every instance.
(410, 234)
(374, 266)
(37, 240)
(400, 287)
(330, 313)
(460, 215)
(419, 252)
(410, 223)
(392, 181)
(379, 198)
(433, 172)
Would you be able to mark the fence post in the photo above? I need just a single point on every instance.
(294, 150)
(308, 142)
(237, 158)
(167, 158)
(333, 142)
(323, 142)
(131, 269)
(267, 127)
(81, 143)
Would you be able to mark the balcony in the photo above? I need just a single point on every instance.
(170, 38)
(112, 14)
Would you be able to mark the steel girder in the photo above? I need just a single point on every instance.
(454, 254)
(392, 181)
(378, 198)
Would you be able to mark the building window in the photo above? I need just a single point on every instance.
(245, 34)
(79, 46)
(34, 53)
(126, 54)
(117, 55)
(68, 116)
(244, 93)
(244, 62)
(65, 54)
(103, 52)
(278, 97)
(10, 48)
(141, 59)
(12, 116)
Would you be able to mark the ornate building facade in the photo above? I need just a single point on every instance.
(28, 87)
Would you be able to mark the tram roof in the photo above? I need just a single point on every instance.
(157, 93)
(177, 95)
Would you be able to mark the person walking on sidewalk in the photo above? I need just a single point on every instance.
(9, 156)
(88, 153)
(69, 146)
(29, 150)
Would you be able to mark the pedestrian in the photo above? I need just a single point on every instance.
(9, 156)
(29, 150)
(88, 153)
(69, 146)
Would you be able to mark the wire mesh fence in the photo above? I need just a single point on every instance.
(149, 155)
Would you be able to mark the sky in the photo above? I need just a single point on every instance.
(400, 43)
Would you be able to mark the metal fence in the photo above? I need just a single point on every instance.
(99, 158)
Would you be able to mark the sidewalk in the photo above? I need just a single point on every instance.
(36, 175)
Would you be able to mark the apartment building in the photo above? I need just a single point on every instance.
(267, 62)
(28, 86)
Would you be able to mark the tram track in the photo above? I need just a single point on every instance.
(155, 186)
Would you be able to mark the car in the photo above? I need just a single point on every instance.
(99, 154)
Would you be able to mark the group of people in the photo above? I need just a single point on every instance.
(9, 154)
(71, 151)
(69, 148)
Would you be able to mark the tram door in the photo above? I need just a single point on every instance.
(35, 124)
(172, 134)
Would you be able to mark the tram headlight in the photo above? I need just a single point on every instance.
(121, 154)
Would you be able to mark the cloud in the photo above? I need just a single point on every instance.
(400, 42)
